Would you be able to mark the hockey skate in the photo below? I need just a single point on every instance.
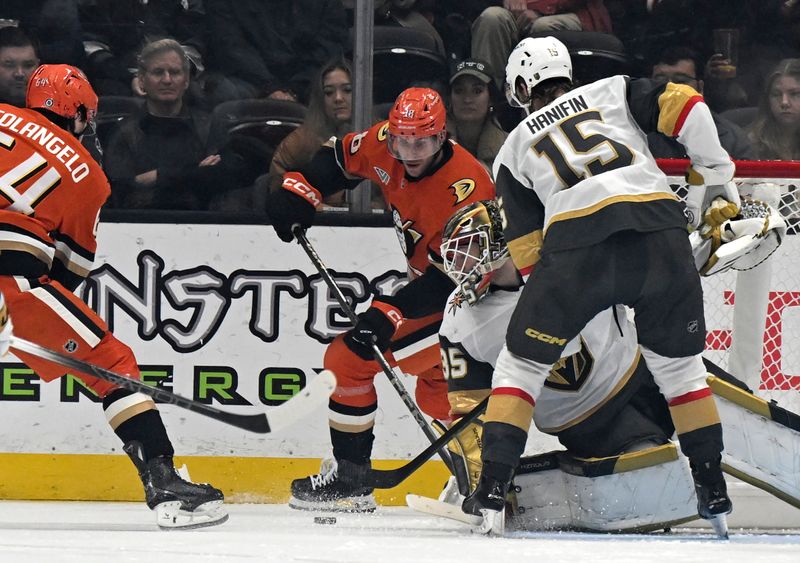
(177, 502)
(713, 503)
(489, 502)
(334, 489)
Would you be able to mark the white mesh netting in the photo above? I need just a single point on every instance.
(753, 317)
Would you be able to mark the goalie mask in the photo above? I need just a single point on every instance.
(473, 246)
(741, 243)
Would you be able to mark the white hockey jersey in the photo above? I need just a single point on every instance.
(592, 369)
(579, 169)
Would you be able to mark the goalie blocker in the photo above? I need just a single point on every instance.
(652, 489)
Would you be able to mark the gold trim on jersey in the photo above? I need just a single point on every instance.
(511, 410)
(525, 249)
(694, 415)
(617, 388)
(671, 105)
(592, 209)
(462, 402)
(30, 248)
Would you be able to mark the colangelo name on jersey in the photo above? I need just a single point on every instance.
(46, 139)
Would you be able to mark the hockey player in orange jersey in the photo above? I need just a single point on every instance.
(52, 191)
(424, 178)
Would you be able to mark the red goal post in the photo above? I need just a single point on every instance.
(753, 317)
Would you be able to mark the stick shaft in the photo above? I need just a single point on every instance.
(379, 357)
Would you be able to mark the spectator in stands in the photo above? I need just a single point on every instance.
(681, 65)
(116, 30)
(775, 133)
(497, 29)
(330, 113)
(470, 120)
(54, 25)
(18, 60)
(409, 13)
(157, 159)
(270, 47)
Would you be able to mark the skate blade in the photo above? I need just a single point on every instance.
(493, 524)
(720, 525)
(170, 516)
(359, 504)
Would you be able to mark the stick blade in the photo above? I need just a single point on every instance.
(313, 396)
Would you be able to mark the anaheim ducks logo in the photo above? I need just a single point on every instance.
(462, 189)
(570, 373)
(407, 236)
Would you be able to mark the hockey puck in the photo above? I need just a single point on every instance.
(324, 520)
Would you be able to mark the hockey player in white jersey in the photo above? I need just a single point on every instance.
(585, 202)
(599, 399)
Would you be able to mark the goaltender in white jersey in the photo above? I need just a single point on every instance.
(599, 400)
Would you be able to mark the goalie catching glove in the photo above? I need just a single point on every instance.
(741, 243)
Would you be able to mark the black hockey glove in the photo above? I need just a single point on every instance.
(294, 204)
(373, 327)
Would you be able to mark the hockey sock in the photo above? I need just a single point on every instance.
(503, 444)
(355, 447)
(133, 417)
(697, 424)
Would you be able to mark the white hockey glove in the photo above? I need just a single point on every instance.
(741, 243)
(5, 328)
(712, 199)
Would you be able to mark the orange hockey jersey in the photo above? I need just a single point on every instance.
(420, 207)
(51, 192)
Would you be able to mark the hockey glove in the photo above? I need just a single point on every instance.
(709, 202)
(376, 325)
(294, 204)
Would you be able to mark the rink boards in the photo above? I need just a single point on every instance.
(220, 313)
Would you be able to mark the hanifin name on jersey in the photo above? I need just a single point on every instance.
(538, 121)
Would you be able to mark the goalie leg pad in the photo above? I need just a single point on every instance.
(639, 491)
(762, 441)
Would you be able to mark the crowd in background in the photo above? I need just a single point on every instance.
(176, 77)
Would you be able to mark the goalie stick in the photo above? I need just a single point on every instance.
(300, 235)
(306, 401)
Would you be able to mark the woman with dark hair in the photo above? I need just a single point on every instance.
(775, 133)
(330, 111)
(470, 119)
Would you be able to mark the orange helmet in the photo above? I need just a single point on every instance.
(417, 113)
(62, 89)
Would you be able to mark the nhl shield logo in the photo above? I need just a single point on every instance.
(70, 346)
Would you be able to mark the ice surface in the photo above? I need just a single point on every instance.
(89, 532)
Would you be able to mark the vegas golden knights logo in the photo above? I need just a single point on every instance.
(570, 373)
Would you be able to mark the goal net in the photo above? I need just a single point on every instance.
(753, 317)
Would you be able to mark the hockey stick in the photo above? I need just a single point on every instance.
(306, 401)
(300, 235)
(389, 478)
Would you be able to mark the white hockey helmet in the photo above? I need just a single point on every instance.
(534, 60)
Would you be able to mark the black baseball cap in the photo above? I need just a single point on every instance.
(473, 67)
